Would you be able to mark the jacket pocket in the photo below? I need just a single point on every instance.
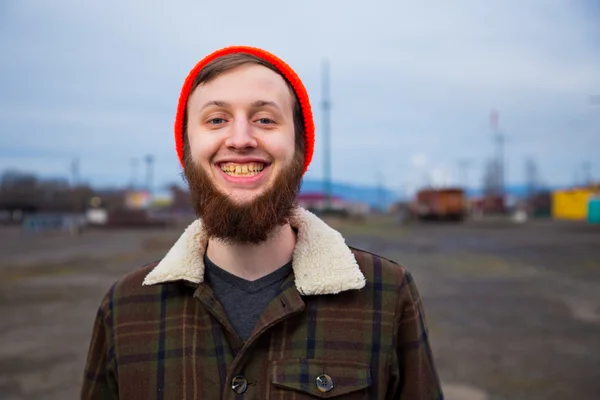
(322, 379)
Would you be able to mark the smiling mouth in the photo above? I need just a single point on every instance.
(242, 170)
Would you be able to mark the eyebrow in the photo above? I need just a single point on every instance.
(264, 103)
(224, 104)
(217, 103)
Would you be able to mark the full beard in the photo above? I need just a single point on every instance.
(244, 223)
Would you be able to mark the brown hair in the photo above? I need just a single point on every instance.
(230, 61)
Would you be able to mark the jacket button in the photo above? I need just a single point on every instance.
(324, 383)
(239, 384)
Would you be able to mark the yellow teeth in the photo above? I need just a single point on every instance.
(249, 169)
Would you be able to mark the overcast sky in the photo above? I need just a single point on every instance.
(412, 85)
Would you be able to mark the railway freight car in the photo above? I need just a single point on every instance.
(440, 204)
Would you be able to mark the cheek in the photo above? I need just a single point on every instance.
(202, 147)
(283, 148)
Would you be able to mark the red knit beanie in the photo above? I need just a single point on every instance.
(282, 67)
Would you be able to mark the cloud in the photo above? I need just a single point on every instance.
(100, 80)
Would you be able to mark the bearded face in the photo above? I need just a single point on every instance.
(242, 163)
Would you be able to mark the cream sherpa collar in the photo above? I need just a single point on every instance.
(322, 262)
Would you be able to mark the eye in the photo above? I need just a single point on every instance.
(216, 121)
(265, 121)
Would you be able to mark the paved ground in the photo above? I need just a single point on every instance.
(514, 311)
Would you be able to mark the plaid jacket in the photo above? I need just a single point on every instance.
(347, 324)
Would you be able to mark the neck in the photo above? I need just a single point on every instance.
(253, 261)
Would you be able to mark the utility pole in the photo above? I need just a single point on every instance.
(587, 173)
(75, 172)
(499, 141)
(149, 163)
(326, 107)
(576, 181)
(531, 175)
(380, 191)
(134, 167)
(587, 166)
(73, 221)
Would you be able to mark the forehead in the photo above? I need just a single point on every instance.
(245, 84)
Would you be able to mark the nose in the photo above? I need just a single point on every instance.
(241, 136)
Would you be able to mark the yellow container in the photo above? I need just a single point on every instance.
(571, 204)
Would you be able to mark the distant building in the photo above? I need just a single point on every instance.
(574, 203)
(318, 201)
(137, 199)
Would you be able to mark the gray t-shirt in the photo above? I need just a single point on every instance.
(244, 301)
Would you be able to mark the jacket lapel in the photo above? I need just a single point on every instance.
(322, 262)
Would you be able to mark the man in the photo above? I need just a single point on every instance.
(258, 299)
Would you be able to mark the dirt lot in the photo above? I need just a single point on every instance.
(514, 310)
